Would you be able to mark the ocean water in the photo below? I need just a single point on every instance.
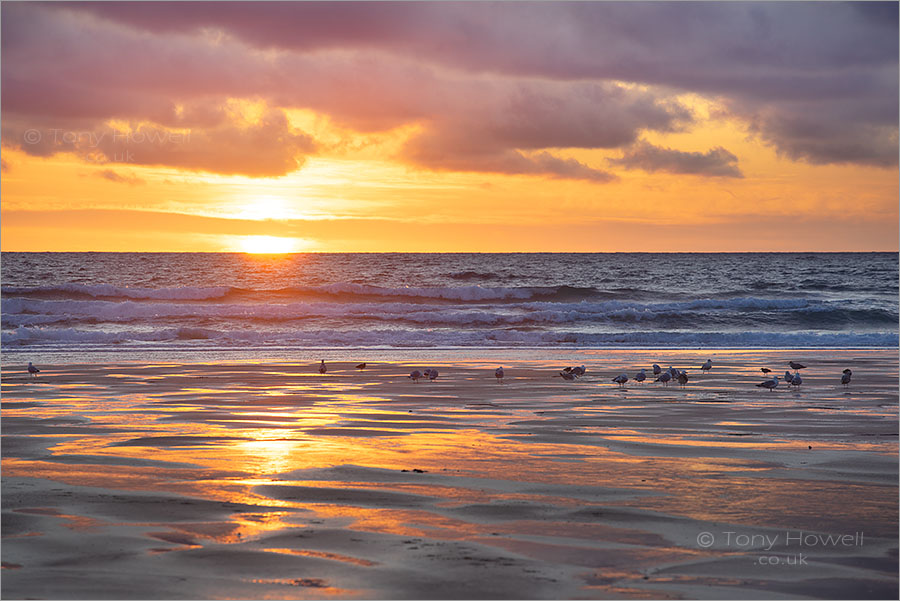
(216, 304)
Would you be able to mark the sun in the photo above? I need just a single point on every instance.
(268, 245)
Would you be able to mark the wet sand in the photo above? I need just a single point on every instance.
(241, 480)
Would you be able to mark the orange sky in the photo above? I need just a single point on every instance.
(150, 129)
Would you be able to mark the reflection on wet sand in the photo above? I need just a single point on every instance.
(364, 485)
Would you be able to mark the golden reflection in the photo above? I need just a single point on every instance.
(72, 522)
(527, 445)
(317, 588)
(324, 555)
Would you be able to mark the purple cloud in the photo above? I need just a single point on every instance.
(716, 162)
(817, 81)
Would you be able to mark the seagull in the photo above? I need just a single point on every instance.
(567, 375)
(664, 378)
(432, 374)
(361, 366)
(620, 379)
(579, 371)
(415, 375)
(682, 378)
(322, 368)
(845, 378)
(656, 369)
(32, 370)
(770, 384)
(640, 376)
(498, 373)
(797, 381)
(706, 366)
(765, 370)
(788, 377)
(796, 366)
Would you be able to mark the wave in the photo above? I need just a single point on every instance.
(346, 290)
(700, 313)
(83, 291)
(350, 292)
(420, 338)
(469, 275)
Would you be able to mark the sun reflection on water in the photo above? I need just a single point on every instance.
(502, 466)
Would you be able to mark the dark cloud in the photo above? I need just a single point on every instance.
(811, 78)
(509, 129)
(459, 117)
(510, 162)
(716, 162)
(827, 132)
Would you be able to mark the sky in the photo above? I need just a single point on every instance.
(449, 126)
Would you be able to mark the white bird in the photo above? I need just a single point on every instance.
(682, 378)
(845, 377)
(432, 374)
(656, 369)
(322, 368)
(664, 378)
(498, 373)
(33, 370)
(788, 377)
(579, 371)
(640, 376)
(620, 379)
(567, 375)
(797, 381)
(770, 384)
(796, 366)
(706, 366)
(415, 375)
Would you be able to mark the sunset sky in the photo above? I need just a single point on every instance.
(450, 126)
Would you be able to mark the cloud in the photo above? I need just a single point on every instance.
(505, 118)
(266, 148)
(131, 179)
(817, 81)
(716, 162)
(827, 132)
(510, 162)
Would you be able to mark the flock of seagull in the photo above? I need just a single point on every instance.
(663, 376)
(572, 373)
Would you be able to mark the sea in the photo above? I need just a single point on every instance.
(210, 306)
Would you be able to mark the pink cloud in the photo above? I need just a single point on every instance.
(488, 84)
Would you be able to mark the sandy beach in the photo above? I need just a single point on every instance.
(272, 481)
